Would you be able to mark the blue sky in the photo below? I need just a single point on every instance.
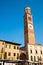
(12, 22)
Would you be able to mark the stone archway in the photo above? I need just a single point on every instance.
(23, 56)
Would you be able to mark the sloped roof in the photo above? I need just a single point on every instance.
(9, 42)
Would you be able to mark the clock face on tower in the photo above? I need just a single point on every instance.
(30, 26)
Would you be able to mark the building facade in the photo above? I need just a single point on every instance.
(31, 51)
(34, 51)
(9, 50)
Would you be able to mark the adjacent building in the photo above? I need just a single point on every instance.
(9, 50)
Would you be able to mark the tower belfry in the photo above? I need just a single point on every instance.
(28, 27)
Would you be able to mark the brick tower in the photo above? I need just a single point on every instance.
(28, 27)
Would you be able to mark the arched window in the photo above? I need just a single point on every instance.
(41, 51)
(36, 51)
(34, 58)
(30, 51)
(31, 58)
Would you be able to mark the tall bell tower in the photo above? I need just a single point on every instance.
(28, 27)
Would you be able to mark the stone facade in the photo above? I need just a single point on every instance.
(34, 51)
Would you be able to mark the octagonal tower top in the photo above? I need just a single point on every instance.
(27, 9)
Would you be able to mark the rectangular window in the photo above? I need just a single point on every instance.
(9, 46)
(14, 47)
(17, 47)
(17, 55)
(14, 54)
(9, 54)
(2, 50)
(2, 43)
(5, 45)
(5, 55)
